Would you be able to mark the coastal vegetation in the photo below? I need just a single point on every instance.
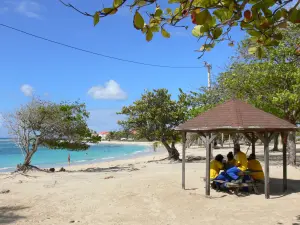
(154, 117)
(55, 126)
(212, 20)
(271, 84)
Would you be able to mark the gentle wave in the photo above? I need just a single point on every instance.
(6, 168)
(137, 152)
(108, 158)
(78, 161)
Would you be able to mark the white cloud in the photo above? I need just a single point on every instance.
(27, 90)
(110, 90)
(29, 8)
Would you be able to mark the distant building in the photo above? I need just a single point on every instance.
(103, 134)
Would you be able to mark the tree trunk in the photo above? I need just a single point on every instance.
(276, 142)
(173, 153)
(26, 164)
(291, 148)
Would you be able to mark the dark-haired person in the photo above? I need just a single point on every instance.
(231, 162)
(240, 166)
(215, 166)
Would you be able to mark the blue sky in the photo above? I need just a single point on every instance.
(34, 67)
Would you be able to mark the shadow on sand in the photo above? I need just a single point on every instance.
(276, 187)
(8, 214)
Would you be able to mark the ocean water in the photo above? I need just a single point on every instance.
(11, 155)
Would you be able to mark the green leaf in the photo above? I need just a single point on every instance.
(141, 3)
(165, 33)
(271, 42)
(259, 52)
(169, 11)
(149, 35)
(246, 25)
(203, 17)
(198, 31)
(254, 33)
(294, 15)
(206, 47)
(138, 21)
(223, 14)
(217, 32)
(154, 28)
(117, 3)
(96, 18)
(205, 3)
(109, 11)
(252, 50)
(158, 12)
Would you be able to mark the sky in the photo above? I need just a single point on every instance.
(33, 67)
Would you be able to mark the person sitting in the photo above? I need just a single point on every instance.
(241, 164)
(215, 166)
(230, 161)
(255, 167)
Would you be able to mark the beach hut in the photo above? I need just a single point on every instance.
(235, 116)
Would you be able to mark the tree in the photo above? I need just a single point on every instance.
(213, 19)
(155, 116)
(55, 126)
(272, 83)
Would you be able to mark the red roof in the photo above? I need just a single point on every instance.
(104, 132)
(235, 115)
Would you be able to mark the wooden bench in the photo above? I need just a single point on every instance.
(253, 184)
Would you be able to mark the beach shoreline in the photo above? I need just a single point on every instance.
(144, 190)
(98, 161)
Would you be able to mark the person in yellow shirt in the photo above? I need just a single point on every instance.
(215, 166)
(230, 161)
(255, 167)
(241, 163)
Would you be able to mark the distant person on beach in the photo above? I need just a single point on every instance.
(69, 159)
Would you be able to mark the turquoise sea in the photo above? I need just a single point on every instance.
(11, 155)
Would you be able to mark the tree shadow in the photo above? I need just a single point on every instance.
(8, 214)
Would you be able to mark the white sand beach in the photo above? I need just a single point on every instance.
(135, 191)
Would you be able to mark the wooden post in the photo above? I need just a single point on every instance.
(183, 158)
(208, 153)
(284, 142)
(253, 143)
(266, 158)
(222, 140)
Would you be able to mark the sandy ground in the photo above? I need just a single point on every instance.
(141, 192)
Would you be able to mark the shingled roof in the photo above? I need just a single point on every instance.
(235, 115)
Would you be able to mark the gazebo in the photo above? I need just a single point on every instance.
(235, 116)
